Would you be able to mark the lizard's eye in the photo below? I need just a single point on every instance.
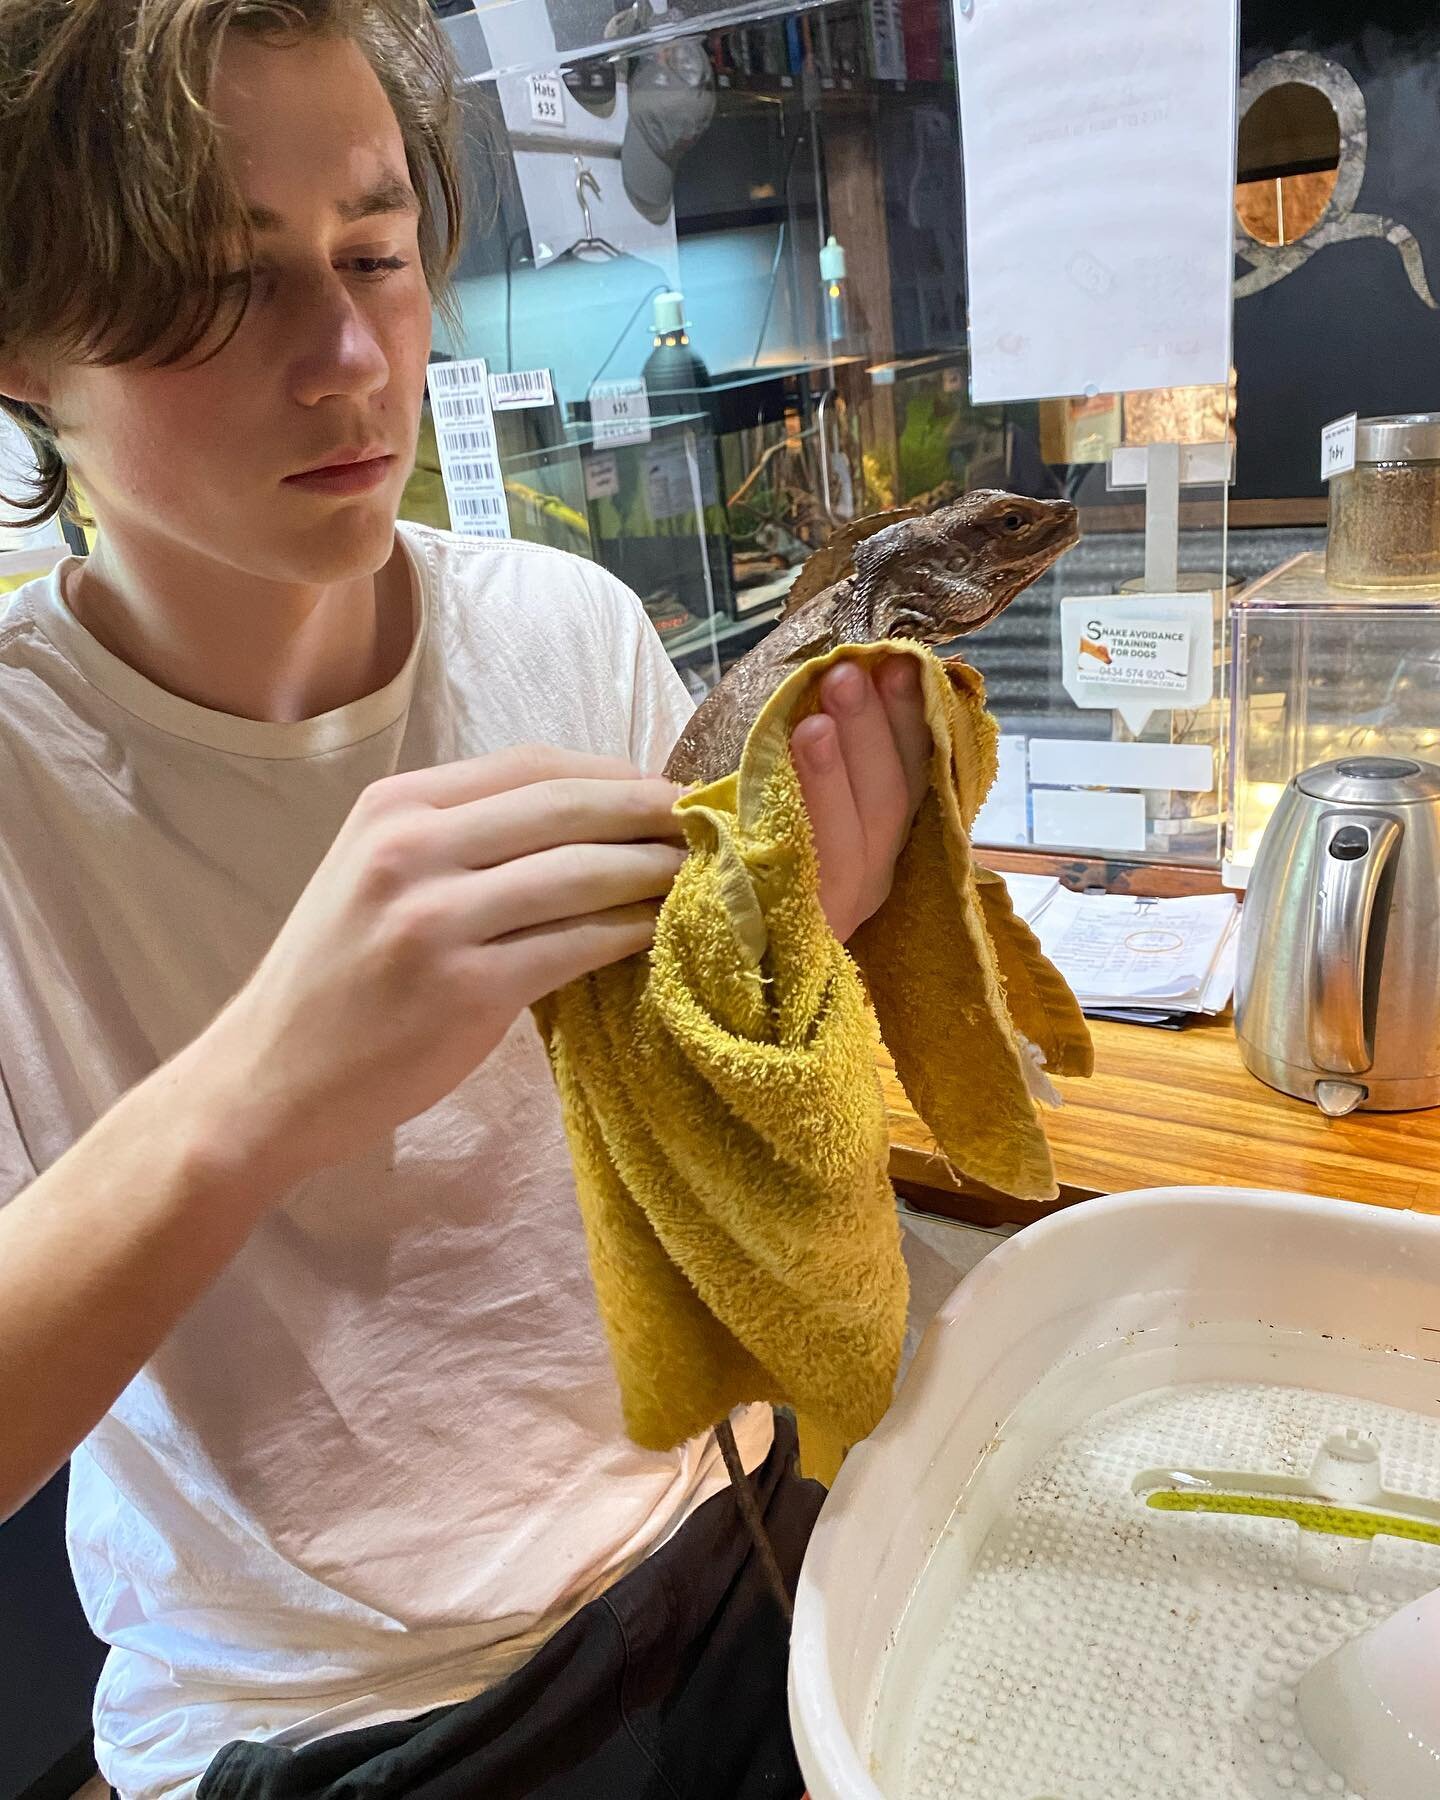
(1012, 522)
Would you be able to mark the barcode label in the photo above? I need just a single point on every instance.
(479, 506)
(474, 472)
(467, 443)
(469, 455)
(461, 406)
(525, 387)
(467, 374)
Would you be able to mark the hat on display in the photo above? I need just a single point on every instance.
(672, 101)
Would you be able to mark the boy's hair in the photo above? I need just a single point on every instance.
(118, 219)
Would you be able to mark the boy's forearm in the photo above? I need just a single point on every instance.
(102, 1255)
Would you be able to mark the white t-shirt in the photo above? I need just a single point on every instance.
(383, 1458)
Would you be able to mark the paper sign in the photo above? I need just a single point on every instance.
(525, 387)
(1003, 819)
(1099, 163)
(669, 482)
(1137, 653)
(602, 478)
(1337, 447)
(547, 100)
(1148, 654)
(620, 412)
(469, 455)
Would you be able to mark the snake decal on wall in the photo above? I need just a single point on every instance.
(1338, 223)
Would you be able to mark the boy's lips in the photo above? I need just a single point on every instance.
(345, 474)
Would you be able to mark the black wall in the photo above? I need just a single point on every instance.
(1346, 332)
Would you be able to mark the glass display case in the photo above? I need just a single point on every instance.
(1322, 672)
(722, 251)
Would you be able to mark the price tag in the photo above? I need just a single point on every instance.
(469, 454)
(602, 478)
(1337, 447)
(525, 387)
(547, 100)
(620, 412)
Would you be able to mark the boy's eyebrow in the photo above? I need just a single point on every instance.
(389, 195)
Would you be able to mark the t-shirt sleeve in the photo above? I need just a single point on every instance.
(661, 706)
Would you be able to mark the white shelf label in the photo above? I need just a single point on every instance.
(1337, 447)
(525, 387)
(602, 478)
(469, 454)
(620, 412)
(547, 100)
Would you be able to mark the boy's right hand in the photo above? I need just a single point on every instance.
(451, 900)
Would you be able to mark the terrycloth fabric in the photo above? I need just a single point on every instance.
(722, 1099)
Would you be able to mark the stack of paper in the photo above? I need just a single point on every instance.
(1149, 962)
(1031, 894)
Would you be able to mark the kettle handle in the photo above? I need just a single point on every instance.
(1354, 852)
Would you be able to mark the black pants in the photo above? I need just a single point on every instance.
(671, 1686)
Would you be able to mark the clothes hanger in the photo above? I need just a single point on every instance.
(589, 247)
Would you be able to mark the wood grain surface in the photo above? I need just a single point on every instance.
(1178, 1109)
(1111, 875)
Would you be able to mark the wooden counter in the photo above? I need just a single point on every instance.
(1177, 1109)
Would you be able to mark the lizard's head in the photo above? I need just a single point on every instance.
(947, 574)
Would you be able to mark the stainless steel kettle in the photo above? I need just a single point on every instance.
(1337, 997)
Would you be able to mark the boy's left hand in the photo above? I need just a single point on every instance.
(864, 766)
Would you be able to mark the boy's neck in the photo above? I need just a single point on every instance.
(251, 648)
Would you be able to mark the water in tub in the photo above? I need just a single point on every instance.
(1163, 1540)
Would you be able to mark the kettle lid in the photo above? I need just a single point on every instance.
(1372, 781)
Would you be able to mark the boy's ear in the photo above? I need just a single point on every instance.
(22, 381)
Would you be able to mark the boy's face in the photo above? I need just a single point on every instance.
(328, 364)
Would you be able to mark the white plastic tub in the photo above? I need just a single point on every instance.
(1112, 1298)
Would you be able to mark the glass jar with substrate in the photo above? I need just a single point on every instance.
(1385, 512)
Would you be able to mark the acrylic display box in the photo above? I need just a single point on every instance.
(1322, 672)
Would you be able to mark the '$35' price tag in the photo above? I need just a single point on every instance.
(620, 411)
(547, 100)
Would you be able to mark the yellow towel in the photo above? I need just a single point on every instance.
(722, 1101)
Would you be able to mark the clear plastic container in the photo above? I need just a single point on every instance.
(1321, 672)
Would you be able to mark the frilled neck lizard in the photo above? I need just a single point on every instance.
(932, 579)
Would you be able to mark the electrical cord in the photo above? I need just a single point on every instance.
(650, 293)
(806, 124)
